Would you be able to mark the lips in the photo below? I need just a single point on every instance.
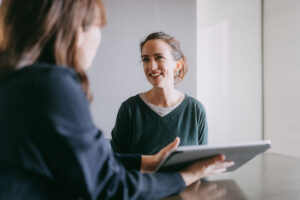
(155, 74)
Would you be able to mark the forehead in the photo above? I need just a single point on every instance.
(152, 47)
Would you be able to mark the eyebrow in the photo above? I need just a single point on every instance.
(157, 54)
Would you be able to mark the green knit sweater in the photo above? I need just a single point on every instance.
(139, 129)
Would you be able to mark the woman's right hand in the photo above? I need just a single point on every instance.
(205, 168)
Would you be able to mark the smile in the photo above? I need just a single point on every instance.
(155, 74)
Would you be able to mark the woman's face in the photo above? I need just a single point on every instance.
(88, 42)
(159, 63)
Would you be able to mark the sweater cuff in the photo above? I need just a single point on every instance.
(130, 161)
(170, 183)
(180, 180)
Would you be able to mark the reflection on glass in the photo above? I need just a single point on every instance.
(211, 190)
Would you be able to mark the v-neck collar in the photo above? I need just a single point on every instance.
(152, 112)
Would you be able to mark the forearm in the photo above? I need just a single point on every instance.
(130, 184)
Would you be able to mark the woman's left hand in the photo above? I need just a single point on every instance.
(149, 163)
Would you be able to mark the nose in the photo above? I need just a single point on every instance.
(152, 64)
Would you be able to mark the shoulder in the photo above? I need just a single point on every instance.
(49, 76)
(194, 106)
(191, 101)
(55, 81)
(42, 76)
(131, 105)
(54, 74)
(132, 101)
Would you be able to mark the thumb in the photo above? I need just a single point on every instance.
(173, 145)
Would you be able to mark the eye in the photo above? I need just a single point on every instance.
(159, 58)
(145, 60)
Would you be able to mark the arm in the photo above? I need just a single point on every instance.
(76, 153)
(121, 132)
(130, 161)
(202, 124)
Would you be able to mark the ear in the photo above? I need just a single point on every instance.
(179, 64)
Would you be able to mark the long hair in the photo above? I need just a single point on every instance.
(45, 31)
(176, 51)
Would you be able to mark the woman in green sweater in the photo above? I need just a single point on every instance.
(149, 121)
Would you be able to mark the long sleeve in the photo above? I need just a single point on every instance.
(121, 133)
(130, 161)
(203, 128)
(75, 152)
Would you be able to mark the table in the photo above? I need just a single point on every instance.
(269, 176)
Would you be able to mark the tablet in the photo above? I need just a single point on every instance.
(239, 153)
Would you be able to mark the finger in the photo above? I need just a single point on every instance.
(220, 166)
(220, 157)
(229, 164)
(173, 145)
(216, 159)
(224, 164)
(220, 161)
(213, 161)
(218, 171)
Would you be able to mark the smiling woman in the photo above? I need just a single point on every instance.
(165, 49)
(150, 120)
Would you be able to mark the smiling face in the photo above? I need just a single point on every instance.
(159, 63)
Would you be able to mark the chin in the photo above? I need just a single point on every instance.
(156, 83)
(157, 86)
(86, 66)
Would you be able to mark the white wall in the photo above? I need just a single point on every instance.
(229, 68)
(282, 75)
(225, 68)
(117, 73)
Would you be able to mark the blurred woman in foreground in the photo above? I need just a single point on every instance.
(49, 145)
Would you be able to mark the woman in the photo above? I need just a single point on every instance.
(49, 145)
(150, 120)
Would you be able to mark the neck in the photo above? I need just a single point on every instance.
(163, 97)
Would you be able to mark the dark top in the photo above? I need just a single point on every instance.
(51, 149)
(139, 129)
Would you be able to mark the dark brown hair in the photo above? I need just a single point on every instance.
(45, 31)
(176, 51)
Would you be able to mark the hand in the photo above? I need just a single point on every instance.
(149, 163)
(204, 168)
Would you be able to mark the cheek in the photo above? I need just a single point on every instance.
(171, 67)
(145, 68)
(88, 48)
(95, 38)
(93, 42)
